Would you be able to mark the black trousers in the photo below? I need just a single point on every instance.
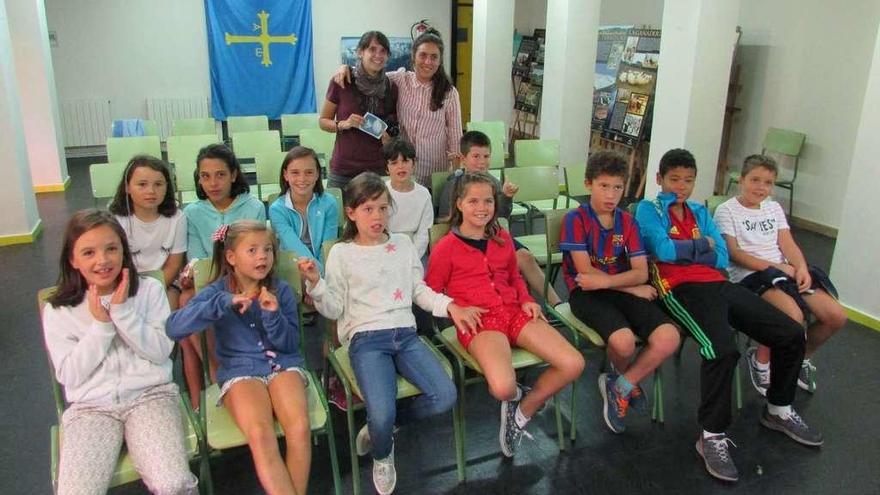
(719, 307)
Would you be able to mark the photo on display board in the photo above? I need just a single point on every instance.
(398, 58)
(638, 104)
(632, 124)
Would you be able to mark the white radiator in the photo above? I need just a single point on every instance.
(166, 110)
(86, 122)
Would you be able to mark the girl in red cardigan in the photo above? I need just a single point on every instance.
(475, 264)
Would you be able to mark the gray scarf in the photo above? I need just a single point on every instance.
(372, 87)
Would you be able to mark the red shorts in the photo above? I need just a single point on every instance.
(509, 320)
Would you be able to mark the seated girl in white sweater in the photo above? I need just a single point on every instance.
(373, 278)
(105, 331)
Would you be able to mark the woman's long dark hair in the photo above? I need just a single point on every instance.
(364, 187)
(71, 284)
(441, 84)
(122, 204)
(493, 228)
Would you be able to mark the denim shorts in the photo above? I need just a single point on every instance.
(265, 379)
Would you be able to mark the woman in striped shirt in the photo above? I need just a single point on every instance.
(428, 106)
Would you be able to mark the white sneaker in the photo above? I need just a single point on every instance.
(363, 444)
(384, 474)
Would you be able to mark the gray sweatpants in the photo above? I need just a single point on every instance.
(153, 431)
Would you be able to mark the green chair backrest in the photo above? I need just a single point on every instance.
(554, 219)
(337, 195)
(105, 178)
(151, 128)
(496, 130)
(438, 230)
(319, 140)
(536, 153)
(121, 149)
(438, 180)
(182, 152)
(293, 123)
(193, 127)
(269, 166)
(712, 202)
(286, 269)
(202, 273)
(574, 180)
(535, 183)
(325, 249)
(784, 141)
(235, 125)
(250, 144)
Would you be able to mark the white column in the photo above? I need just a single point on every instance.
(37, 95)
(569, 68)
(854, 269)
(20, 220)
(696, 50)
(492, 59)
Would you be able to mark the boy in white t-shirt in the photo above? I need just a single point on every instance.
(412, 212)
(766, 259)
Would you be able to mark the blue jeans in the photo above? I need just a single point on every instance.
(377, 357)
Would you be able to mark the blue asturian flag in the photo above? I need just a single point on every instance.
(261, 57)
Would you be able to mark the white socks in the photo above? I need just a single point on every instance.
(521, 419)
(762, 366)
(781, 411)
(707, 434)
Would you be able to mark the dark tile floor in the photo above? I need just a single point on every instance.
(647, 458)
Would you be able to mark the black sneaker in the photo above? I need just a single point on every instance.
(510, 434)
(793, 426)
(716, 455)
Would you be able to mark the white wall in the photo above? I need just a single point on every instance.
(129, 51)
(531, 14)
(804, 66)
(134, 50)
(333, 19)
(854, 268)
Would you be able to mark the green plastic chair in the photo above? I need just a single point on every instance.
(496, 131)
(712, 202)
(234, 125)
(438, 181)
(268, 172)
(105, 178)
(125, 471)
(220, 429)
(182, 152)
(337, 195)
(574, 183)
(122, 149)
(293, 123)
(466, 365)
(580, 330)
(779, 142)
(536, 153)
(538, 190)
(193, 127)
(247, 145)
(319, 140)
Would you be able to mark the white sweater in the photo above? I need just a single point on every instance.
(374, 287)
(113, 362)
(413, 215)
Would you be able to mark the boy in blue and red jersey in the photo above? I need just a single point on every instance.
(689, 251)
(606, 270)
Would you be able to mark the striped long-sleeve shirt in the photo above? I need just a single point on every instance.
(434, 134)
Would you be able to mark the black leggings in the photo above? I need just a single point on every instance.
(710, 311)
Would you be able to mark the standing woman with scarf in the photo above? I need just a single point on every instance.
(428, 107)
(345, 107)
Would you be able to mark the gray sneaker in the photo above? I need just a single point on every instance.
(363, 444)
(807, 376)
(510, 434)
(385, 474)
(760, 379)
(714, 452)
(793, 426)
